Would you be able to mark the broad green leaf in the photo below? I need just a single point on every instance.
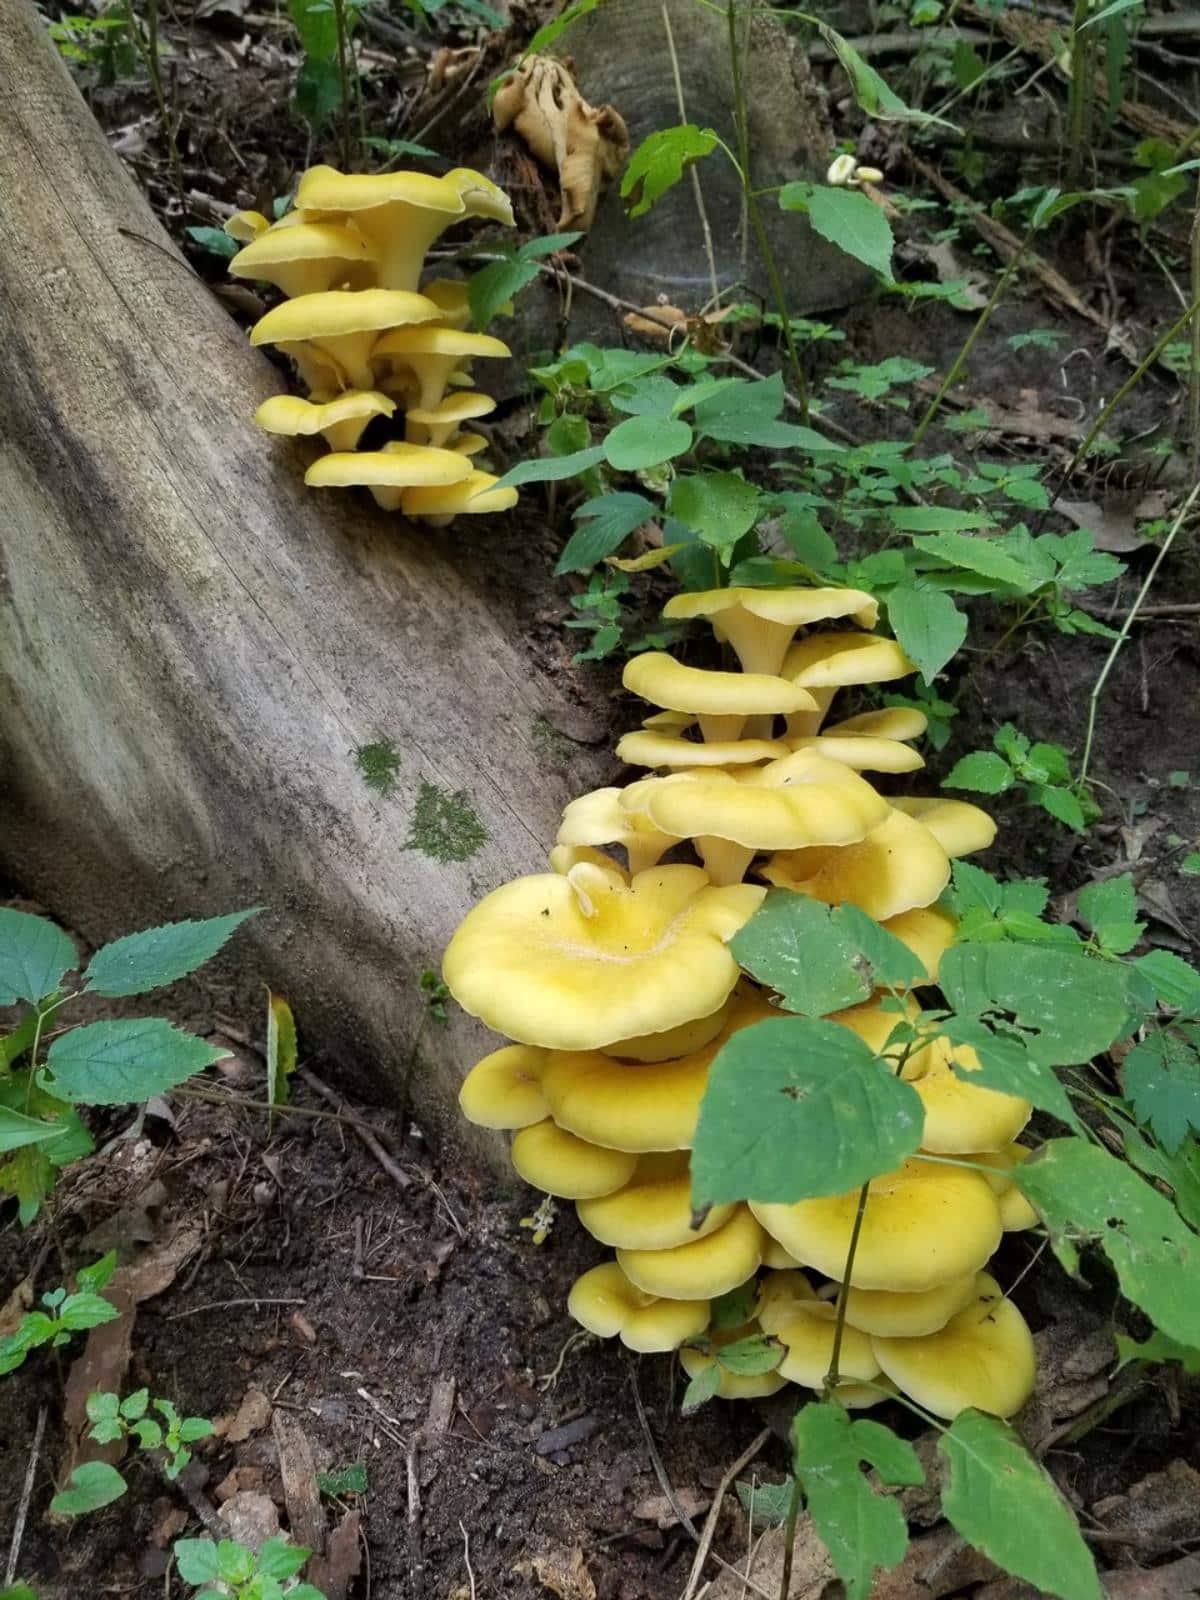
(1085, 1194)
(1008, 1067)
(1075, 1005)
(28, 1175)
(158, 956)
(103, 1406)
(801, 531)
(734, 1309)
(115, 1063)
(701, 1388)
(99, 1275)
(928, 624)
(14, 1045)
(235, 1563)
(1063, 806)
(551, 469)
(861, 1530)
(1004, 1504)
(976, 555)
(34, 956)
(660, 161)
(641, 442)
(84, 1310)
(938, 522)
(748, 413)
(491, 288)
(134, 1406)
(196, 1560)
(797, 1108)
(602, 525)
(215, 240)
(317, 92)
(347, 1480)
(17, 1130)
(767, 1503)
(889, 962)
(719, 506)
(546, 35)
(280, 1560)
(91, 1486)
(1175, 982)
(548, 244)
(316, 24)
(870, 90)
(281, 1049)
(1158, 1347)
(1161, 1077)
(847, 218)
(752, 1356)
(982, 772)
(820, 959)
(1109, 909)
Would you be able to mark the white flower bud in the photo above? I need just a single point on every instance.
(841, 171)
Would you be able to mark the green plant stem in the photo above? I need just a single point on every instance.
(1123, 634)
(832, 1377)
(789, 1539)
(753, 212)
(1079, 99)
(1194, 373)
(697, 189)
(981, 323)
(148, 49)
(339, 17)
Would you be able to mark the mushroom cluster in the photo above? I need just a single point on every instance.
(368, 343)
(616, 980)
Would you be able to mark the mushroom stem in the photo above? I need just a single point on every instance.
(807, 724)
(724, 861)
(759, 643)
(716, 729)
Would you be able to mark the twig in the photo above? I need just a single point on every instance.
(397, 1174)
(14, 1549)
(467, 1556)
(226, 1305)
(697, 190)
(714, 1511)
(427, 127)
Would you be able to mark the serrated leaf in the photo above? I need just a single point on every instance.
(1175, 982)
(196, 1560)
(1159, 1347)
(660, 161)
(928, 625)
(1008, 1067)
(280, 1560)
(861, 1530)
(1085, 1194)
(491, 288)
(602, 524)
(870, 90)
(766, 1503)
(134, 1406)
(981, 772)
(718, 506)
(116, 1063)
(348, 1480)
(17, 1130)
(552, 469)
(748, 414)
(701, 1388)
(646, 441)
(797, 1108)
(86, 1310)
(34, 957)
(847, 218)
(281, 1049)
(820, 959)
(158, 956)
(1161, 1077)
(1062, 806)
(91, 1486)
(752, 1356)
(734, 1309)
(961, 550)
(1001, 1502)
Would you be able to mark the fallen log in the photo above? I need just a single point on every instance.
(193, 646)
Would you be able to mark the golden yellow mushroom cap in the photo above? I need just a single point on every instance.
(324, 188)
(337, 312)
(983, 1358)
(924, 1224)
(647, 747)
(959, 1117)
(450, 295)
(246, 225)
(906, 1316)
(874, 1024)
(475, 495)
(396, 466)
(600, 818)
(291, 415)
(662, 680)
(569, 1168)
(455, 408)
(303, 259)
(504, 1090)
(898, 865)
(779, 1294)
(653, 1211)
(1016, 1212)
(673, 1043)
(605, 1303)
(890, 722)
(862, 751)
(808, 1334)
(959, 827)
(836, 660)
(928, 931)
(577, 962)
(436, 340)
(761, 623)
(704, 1269)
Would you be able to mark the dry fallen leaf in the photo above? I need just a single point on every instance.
(1113, 525)
(333, 1572)
(251, 1518)
(15, 1307)
(253, 1413)
(657, 1508)
(583, 144)
(566, 1576)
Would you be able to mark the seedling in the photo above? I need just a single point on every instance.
(113, 1418)
(229, 1571)
(1037, 772)
(65, 1314)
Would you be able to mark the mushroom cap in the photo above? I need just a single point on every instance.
(779, 1295)
(577, 962)
(647, 747)
(450, 295)
(455, 408)
(467, 444)
(472, 496)
(959, 1117)
(733, 1385)
(306, 241)
(1016, 1212)
(776, 1257)
(863, 751)
(672, 1043)
(562, 857)
(653, 1211)
(907, 1316)
(459, 192)
(984, 1358)
(435, 340)
(808, 1335)
(928, 931)
(702, 1270)
(605, 1303)
(291, 415)
(396, 466)
(874, 1026)
(600, 818)
(898, 865)
(551, 1159)
(504, 1090)
(336, 312)
(924, 1224)
(246, 225)
(959, 827)
(889, 722)
(795, 607)
(662, 680)
(836, 660)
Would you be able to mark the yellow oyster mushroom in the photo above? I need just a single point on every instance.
(440, 424)
(600, 818)
(648, 747)
(1016, 1212)
(246, 225)
(431, 353)
(959, 827)
(889, 722)
(653, 1211)
(451, 297)
(308, 258)
(673, 1043)
(720, 701)
(808, 1333)
(704, 1269)
(569, 1168)
(898, 866)
(340, 419)
(924, 1224)
(565, 856)
(779, 1295)
(837, 660)
(341, 326)
(577, 962)
(874, 1024)
(605, 1303)
(504, 1090)
(476, 495)
(402, 213)
(961, 1117)
(863, 751)
(905, 1316)
(928, 931)
(983, 1358)
(389, 473)
(760, 624)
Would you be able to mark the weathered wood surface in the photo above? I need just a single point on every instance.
(192, 645)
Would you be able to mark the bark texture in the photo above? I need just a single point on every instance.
(192, 645)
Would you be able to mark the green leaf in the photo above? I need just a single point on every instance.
(1158, 1348)
(701, 1388)
(79, 1312)
(91, 1486)
(797, 1108)
(158, 956)
(551, 469)
(1114, 9)
(939, 522)
(14, 1045)
(134, 1406)
(1162, 1082)
(193, 1428)
(316, 25)
(317, 92)
(281, 1049)
(1004, 1504)
(103, 1406)
(115, 1063)
(17, 1130)
(1085, 1194)
(147, 1433)
(734, 1309)
(752, 1356)
(766, 1503)
(602, 526)
(660, 161)
(235, 1563)
(348, 1480)
(928, 625)
(719, 506)
(748, 413)
(982, 772)
(861, 1530)
(869, 89)
(546, 35)
(1175, 982)
(399, 147)
(976, 555)
(18, 1591)
(1008, 1067)
(1063, 806)
(548, 244)
(646, 441)
(820, 959)
(491, 288)
(280, 1560)
(847, 218)
(96, 1277)
(215, 240)
(196, 1560)
(34, 957)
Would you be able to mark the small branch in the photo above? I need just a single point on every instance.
(697, 190)
(14, 1549)
(397, 1174)
(225, 1305)
(714, 1511)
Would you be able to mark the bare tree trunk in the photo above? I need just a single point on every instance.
(193, 645)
